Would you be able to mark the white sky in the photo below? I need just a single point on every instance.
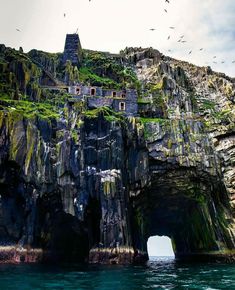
(111, 25)
(160, 246)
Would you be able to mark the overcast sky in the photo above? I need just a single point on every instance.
(160, 246)
(111, 25)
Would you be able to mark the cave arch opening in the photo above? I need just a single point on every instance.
(159, 246)
(187, 207)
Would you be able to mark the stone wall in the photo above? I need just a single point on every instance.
(72, 49)
(131, 108)
(118, 94)
(104, 98)
(96, 102)
(85, 90)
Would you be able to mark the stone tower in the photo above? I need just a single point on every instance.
(73, 49)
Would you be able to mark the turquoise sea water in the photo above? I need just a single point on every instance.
(163, 273)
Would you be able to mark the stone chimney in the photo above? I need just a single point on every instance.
(73, 49)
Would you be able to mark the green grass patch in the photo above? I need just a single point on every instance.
(108, 114)
(98, 64)
(208, 105)
(29, 109)
(143, 101)
(153, 120)
(86, 75)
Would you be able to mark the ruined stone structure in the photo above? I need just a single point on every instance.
(73, 49)
(124, 101)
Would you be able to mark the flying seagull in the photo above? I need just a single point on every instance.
(169, 50)
(201, 49)
(182, 36)
(165, 10)
(167, 1)
(214, 62)
(168, 37)
(172, 27)
(222, 61)
(233, 61)
(215, 56)
(18, 30)
(64, 14)
(152, 29)
(190, 52)
(183, 41)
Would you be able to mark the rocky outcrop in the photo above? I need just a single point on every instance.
(93, 186)
(64, 189)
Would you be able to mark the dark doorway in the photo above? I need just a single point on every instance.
(122, 106)
(93, 92)
(78, 90)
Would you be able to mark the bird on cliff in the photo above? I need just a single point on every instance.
(18, 30)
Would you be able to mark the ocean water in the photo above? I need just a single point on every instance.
(160, 273)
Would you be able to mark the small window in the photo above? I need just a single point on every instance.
(93, 92)
(123, 96)
(122, 106)
(114, 94)
(78, 90)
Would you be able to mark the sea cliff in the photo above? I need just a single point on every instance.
(91, 184)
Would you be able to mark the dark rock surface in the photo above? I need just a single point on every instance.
(107, 191)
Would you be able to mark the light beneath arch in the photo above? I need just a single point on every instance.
(160, 246)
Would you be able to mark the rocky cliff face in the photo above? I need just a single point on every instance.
(94, 186)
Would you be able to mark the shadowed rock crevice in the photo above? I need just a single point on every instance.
(92, 217)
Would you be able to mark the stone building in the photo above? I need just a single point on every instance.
(72, 49)
(120, 101)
